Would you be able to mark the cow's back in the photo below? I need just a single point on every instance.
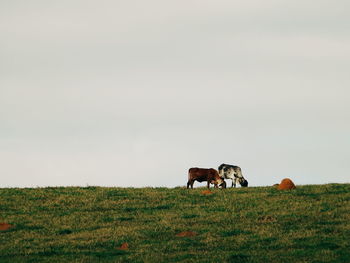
(202, 174)
(230, 171)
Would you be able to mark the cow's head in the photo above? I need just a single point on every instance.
(243, 182)
(223, 184)
(219, 181)
(222, 180)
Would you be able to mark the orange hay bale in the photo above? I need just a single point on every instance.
(286, 184)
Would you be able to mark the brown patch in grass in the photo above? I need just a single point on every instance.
(5, 226)
(266, 219)
(124, 246)
(186, 234)
(207, 192)
(286, 184)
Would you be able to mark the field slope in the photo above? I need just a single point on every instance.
(258, 224)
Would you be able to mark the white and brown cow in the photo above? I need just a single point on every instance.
(233, 172)
(211, 176)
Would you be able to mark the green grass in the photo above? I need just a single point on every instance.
(257, 224)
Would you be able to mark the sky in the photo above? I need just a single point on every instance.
(134, 93)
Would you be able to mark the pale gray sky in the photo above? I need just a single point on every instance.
(133, 93)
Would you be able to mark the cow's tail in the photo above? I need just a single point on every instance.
(189, 174)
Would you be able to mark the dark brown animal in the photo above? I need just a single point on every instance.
(211, 176)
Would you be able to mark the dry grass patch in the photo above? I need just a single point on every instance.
(207, 192)
(124, 246)
(5, 226)
(186, 234)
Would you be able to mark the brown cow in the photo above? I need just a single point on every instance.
(201, 174)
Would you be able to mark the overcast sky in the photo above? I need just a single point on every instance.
(134, 93)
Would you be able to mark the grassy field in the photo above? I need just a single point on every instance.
(257, 224)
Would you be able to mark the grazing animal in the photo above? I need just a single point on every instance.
(201, 174)
(227, 171)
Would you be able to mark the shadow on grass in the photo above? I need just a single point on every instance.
(235, 232)
(146, 209)
(239, 258)
(314, 243)
(104, 254)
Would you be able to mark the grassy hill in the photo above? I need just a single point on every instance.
(258, 224)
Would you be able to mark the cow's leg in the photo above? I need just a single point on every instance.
(240, 180)
(190, 183)
(234, 182)
(208, 183)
